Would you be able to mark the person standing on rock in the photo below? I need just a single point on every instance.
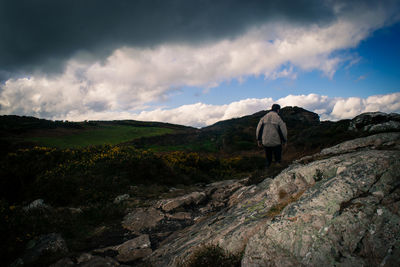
(271, 134)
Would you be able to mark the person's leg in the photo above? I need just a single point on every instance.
(268, 155)
(278, 153)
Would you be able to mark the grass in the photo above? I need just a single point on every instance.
(112, 135)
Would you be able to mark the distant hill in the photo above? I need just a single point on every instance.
(13, 124)
(25, 132)
(22, 124)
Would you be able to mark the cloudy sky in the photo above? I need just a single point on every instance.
(195, 62)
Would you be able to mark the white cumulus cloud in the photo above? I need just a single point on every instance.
(351, 107)
(200, 114)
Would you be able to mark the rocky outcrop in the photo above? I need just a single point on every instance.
(130, 250)
(374, 122)
(342, 209)
(194, 198)
(378, 141)
(296, 116)
(156, 224)
(349, 217)
(142, 218)
(121, 198)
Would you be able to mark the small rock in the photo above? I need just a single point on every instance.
(180, 216)
(173, 189)
(134, 249)
(340, 170)
(84, 258)
(141, 219)
(75, 210)
(205, 210)
(194, 198)
(37, 204)
(378, 194)
(97, 261)
(379, 212)
(66, 262)
(121, 198)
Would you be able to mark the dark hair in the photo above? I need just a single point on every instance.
(275, 107)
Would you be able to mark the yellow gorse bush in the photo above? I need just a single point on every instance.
(91, 156)
(103, 171)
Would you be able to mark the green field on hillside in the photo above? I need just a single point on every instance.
(109, 134)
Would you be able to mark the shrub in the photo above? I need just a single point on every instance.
(65, 176)
(19, 170)
(96, 174)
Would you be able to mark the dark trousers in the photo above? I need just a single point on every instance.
(276, 151)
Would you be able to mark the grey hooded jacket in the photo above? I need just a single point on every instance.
(268, 130)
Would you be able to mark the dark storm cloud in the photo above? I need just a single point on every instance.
(46, 32)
